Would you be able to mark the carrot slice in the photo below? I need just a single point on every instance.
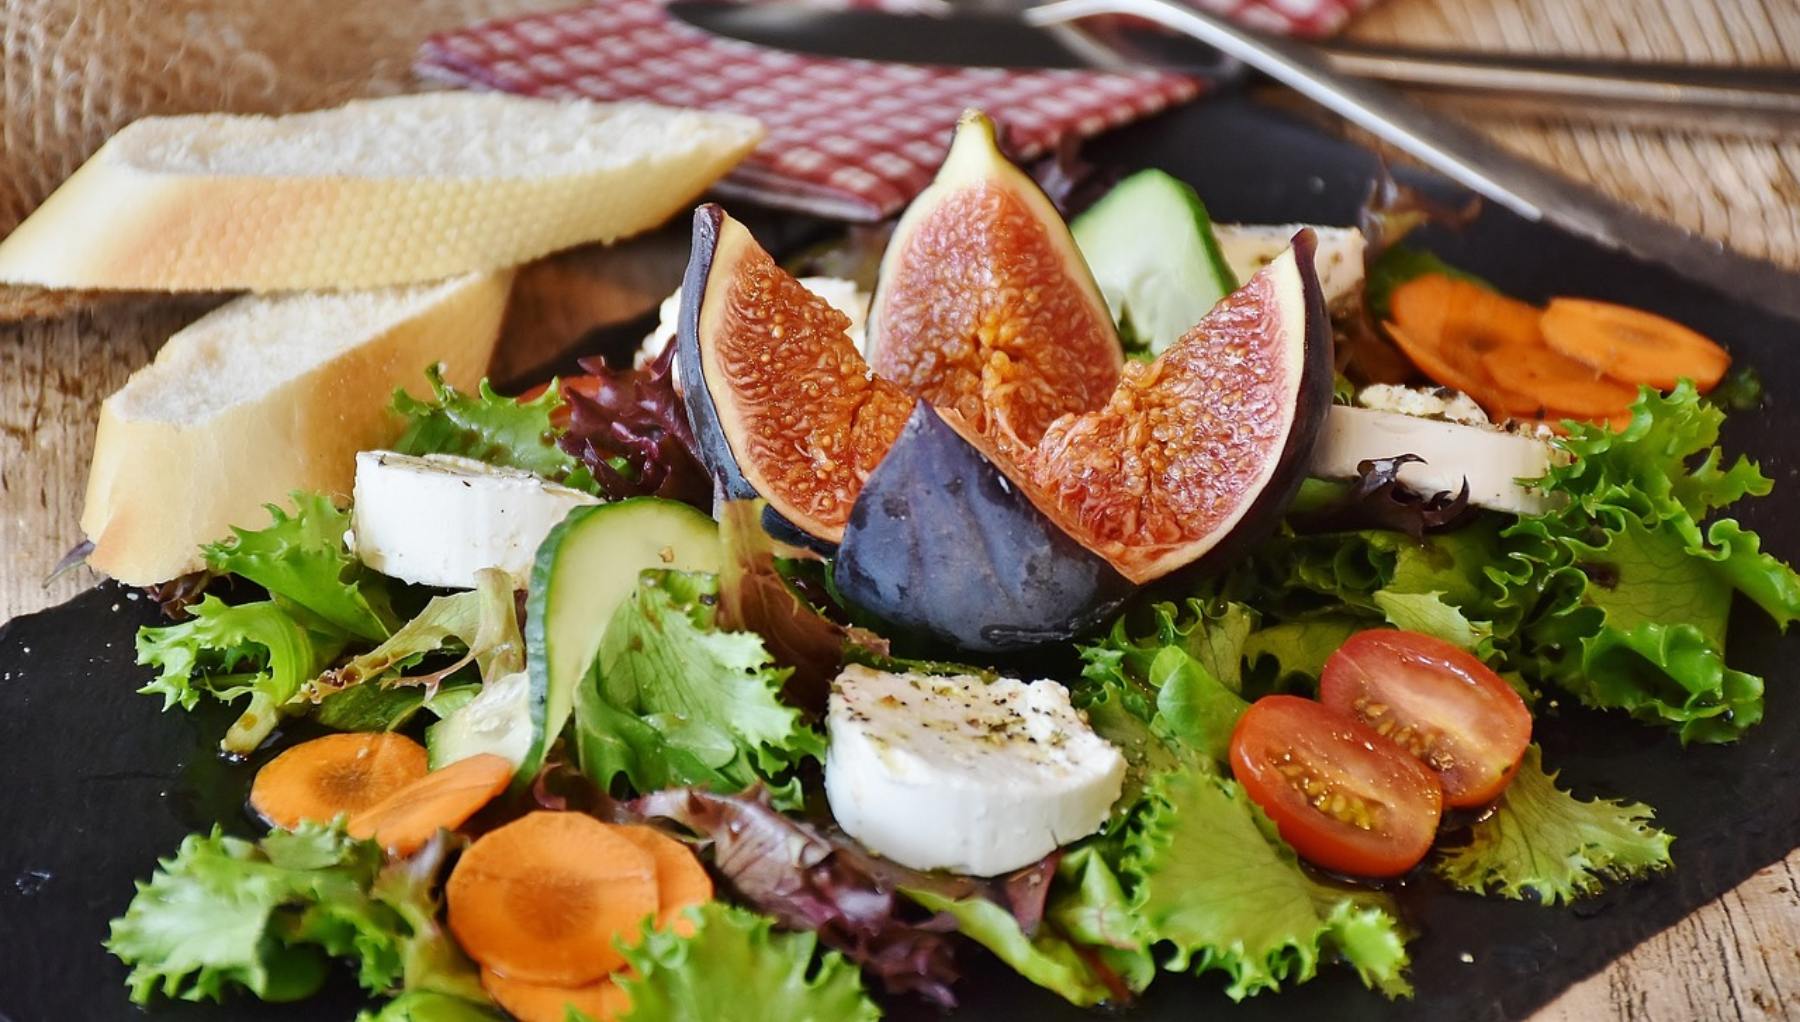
(540, 1002)
(1460, 369)
(341, 773)
(680, 879)
(1550, 380)
(1633, 345)
(1451, 314)
(543, 898)
(442, 799)
(1449, 327)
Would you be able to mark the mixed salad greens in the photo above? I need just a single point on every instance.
(696, 705)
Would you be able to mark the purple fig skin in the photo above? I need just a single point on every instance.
(941, 544)
(696, 394)
(709, 435)
(1312, 405)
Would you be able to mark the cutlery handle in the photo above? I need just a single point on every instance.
(1460, 153)
(1768, 91)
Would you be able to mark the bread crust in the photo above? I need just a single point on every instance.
(158, 489)
(117, 225)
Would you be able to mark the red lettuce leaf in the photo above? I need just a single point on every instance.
(755, 596)
(1379, 500)
(632, 433)
(811, 878)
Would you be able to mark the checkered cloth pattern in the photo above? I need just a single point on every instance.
(848, 139)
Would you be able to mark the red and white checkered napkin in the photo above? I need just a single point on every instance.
(850, 139)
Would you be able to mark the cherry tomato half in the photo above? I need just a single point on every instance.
(588, 385)
(1438, 702)
(1346, 798)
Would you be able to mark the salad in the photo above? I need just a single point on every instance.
(1131, 596)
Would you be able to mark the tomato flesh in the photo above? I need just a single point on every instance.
(1344, 797)
(1436, 701)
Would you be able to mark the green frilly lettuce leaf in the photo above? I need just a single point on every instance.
(734, 966)
(268, 917)
(1634, 577)
(1212, 880)
(1046, 958)
(321, 599)
(255, 649)
(676, 701)
(302, 561)
(1545, 844)
(1197, 867)
(1619, 596)
(491, 428)
(480, 626)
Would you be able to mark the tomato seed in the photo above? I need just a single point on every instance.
(1341, 806)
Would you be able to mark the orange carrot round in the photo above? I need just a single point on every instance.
(1549, 380)
(442, 799)
(602, 1001)
(1458, 369)
(1450, 313)
(343, 773)
(543, 898)
(1633, 345)
(681, 881)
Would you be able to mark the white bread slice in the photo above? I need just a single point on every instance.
(263, 396)
(377, 192)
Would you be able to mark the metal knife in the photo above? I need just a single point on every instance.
(1458, 152)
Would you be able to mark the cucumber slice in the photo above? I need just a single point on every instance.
(497, 720)
(585, 568)
(1151, 247)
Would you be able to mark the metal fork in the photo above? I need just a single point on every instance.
(1458, 152)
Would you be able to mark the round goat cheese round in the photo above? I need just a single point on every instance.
(1490, 459)
(962, 774)
(1338, 257)
(438, 519)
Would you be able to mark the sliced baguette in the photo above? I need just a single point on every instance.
(263, 396)
(378, 192)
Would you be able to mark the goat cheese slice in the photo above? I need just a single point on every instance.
(1339, 257)
(438, 519)
(1491, 459)
(961, 774)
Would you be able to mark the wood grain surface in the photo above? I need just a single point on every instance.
(1738, 958)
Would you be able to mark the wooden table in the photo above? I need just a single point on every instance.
(1738, 958)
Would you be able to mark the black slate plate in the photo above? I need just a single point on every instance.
(98, 783)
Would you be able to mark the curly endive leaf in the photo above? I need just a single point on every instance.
(1545, 844)
(490, 427)
(251, 649)
(1211, 879)
(733, 966)
(224, 913)
(680, 701)
(302, 560)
